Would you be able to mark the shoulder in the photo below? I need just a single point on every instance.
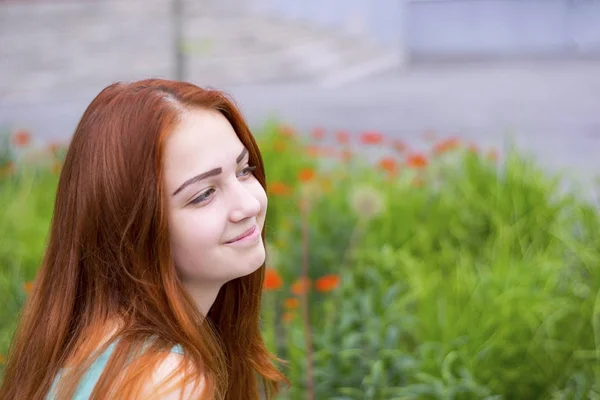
(169, 375)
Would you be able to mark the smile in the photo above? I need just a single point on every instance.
(248, 237)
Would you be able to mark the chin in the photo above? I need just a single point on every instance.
(254, 264)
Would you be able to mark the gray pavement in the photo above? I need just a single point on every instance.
(49, 47)
(551, 109)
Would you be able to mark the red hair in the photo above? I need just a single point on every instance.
(108, 256)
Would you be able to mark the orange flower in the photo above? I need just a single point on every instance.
(21, 138)
(301, 286)
(318, 133)
(287, 316)
(492, 155)
(279, 145)
(416, 160)
(54, 148)
(27, 286)
(389, 164)
(327, 283)
(291, 303)
(313, 150)
(306, 175)
(399, 145)
(446, 145)
(473, 148)
(323, 151)
(279, 189)
(417, 182)
(272, 280)
(287, 131)
(371, 137)
(329, 151)
(346, 155)
(342, 137)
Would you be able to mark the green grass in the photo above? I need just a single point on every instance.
(481, 282)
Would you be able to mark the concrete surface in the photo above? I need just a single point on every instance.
(552, 109)
(48, 47)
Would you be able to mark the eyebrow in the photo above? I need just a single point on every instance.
(212, 172)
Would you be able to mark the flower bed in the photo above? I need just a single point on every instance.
(435, 274)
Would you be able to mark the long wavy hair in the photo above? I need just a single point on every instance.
(108, 256)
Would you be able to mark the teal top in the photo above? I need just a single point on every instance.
(91, 377)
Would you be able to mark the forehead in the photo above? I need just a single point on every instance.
(203, 139)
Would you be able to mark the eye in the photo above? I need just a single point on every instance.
(202, 197)
(205, 196)
(248, 170)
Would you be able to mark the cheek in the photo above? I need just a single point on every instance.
(193, 233)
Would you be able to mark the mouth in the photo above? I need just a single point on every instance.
(243, 235)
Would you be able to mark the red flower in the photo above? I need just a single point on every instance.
(371, 137)
(329, 151)
(306, 175)
(342, 137)
(27, 286)
(54, 148)
(346, 155)
(279, 146)
(416, 161)
(318, 133)
(301, 286)
(327, 283)
(272, 280)
(291, 303)
(21, 138)
(288, 317)
(417, 182)
(492, 155)
(446, 145)
(399, 145)
(389, 164)
(313, 151)
(287, 131)
(279, 189)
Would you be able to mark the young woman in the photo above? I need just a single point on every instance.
(151, 282)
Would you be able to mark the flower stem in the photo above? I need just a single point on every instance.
(310, 384)
(355, 236)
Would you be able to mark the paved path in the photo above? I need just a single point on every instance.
(552, 109)
(49, 47)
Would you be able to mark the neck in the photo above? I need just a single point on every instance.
(204, 295)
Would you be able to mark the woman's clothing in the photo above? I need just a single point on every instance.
(91, 377)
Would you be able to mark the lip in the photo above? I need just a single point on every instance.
(250, 232)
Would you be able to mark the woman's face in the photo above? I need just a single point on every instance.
(212, 198)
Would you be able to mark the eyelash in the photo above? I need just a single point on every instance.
(201, 199)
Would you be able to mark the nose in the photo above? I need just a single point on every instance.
(244, 203)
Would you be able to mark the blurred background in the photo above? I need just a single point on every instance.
(480, 69)
(451, 265)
